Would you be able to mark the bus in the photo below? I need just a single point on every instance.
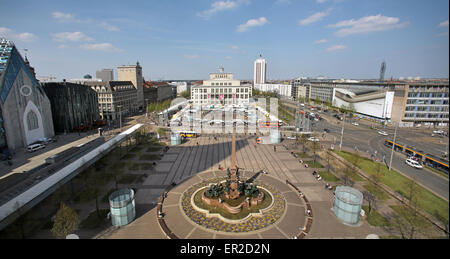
(188, 134)
(428, 159)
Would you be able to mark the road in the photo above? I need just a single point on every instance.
(367, 140)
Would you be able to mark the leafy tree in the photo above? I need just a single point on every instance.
(66, 222)
(186, 94)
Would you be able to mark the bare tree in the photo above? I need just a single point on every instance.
(346, 180)
(410, 223)
(329, 158)
(315, 147)
(371, 200)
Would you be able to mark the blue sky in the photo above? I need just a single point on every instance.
(184, 39)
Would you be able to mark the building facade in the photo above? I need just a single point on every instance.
(281, 89)
(105, 75)
(74, 106)
(25, 111)
(133, 74)
(157, 91)
(413, 102)
(115, 98)
(221, 88)
(260, 67)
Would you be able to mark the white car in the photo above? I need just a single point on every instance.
(35, 147)
(382, 133)
(292, 137)
(355, 123)
(413, 163)
(438, 131)
(313, 139)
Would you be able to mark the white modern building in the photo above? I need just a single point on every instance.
(281, 89)
(181, 86)
(375, 104)
(221, 88)
(260, 68)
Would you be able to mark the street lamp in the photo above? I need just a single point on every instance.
(393, 145)
(342, 133)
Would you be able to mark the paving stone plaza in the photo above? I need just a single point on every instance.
(197, 161)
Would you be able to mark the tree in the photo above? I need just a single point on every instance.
(378, 175)
(303, 140)
(410, 223)
(66, 222)
(315, 147)
(370, 198)
(329, 158)
(346, 180)
(186, 94)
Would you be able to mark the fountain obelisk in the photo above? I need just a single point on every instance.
(234, 179)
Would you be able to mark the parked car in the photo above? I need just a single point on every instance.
(438, 131)
(45, 141)
(292, 137)
(35, 147)
(313, 139)
(382, 133)
(355, 123)
(326, 130)
(413, 163)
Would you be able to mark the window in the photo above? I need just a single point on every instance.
(32, 120)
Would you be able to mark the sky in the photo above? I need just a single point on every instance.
(188, 39)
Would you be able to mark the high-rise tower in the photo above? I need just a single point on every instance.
(134, 74)
(260, 67)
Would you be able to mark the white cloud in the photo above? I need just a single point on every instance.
(190, 56)
(12, 35)
(228, 57)
(252, 23)
(71, 36)
(219, 6)
(367, 24)
(68, 17)
(443, 34)
(109, 27)
(62, 16)
(315, 17)
(235, 47)
(108, 47)
(336, 47)
(63, 46)
(444, 24)
(320, 41)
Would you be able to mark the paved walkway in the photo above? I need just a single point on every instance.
(183, 164)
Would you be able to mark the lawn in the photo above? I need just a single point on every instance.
(402, 211)
(136, 149)
(313, 164)
(375, 218)
(379, 193)
(303, 155)
(328, 176)
(93, 221)
(399, 183)
(128, 156)
(153, 149)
